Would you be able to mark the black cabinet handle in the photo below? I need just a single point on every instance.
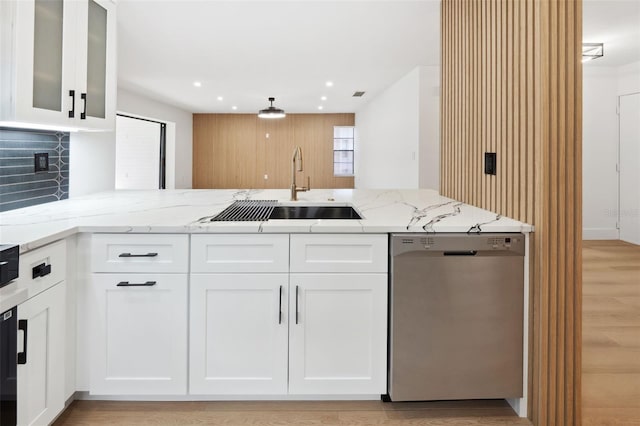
(83, 114)
(22, 356)
(72, 113)
(296, 304)
(40, 271)
(128, 284)
(138, 255)
(280, 306)
(461, 253)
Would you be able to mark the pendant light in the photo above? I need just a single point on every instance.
(271, 112)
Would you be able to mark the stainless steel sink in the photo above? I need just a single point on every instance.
(314, 212)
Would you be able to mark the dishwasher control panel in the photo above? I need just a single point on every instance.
(467, 243)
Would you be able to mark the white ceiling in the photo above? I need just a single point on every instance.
(247, 51)
(616, 23)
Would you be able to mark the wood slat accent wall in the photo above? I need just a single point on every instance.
(232, 150)
(512, 84)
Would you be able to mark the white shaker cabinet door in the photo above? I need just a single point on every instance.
(338, 334)
(238, 334)
(41, 359)
(139, 334)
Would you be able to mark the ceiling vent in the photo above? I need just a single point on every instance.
(358, 94)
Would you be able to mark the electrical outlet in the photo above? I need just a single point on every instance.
(40, 162)
(490, 163)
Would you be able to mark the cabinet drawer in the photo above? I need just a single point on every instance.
(139, 253)
(240, 253)
(339, 253)
(42, 268)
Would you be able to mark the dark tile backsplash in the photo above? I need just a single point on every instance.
(20, 186)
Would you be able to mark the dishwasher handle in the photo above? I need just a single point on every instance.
(461, 253)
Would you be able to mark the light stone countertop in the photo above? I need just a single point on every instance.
(189, 211)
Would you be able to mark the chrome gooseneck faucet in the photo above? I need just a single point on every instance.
(297, 154)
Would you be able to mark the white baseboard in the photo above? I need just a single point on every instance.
(600, 234)
(89, 397)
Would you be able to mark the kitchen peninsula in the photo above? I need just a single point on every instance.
(181, 211)
(277, 309)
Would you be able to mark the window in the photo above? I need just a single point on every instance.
(343, 150)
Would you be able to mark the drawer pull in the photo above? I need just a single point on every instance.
(138, 255)
(41, 270)
(280, 306)
(296, 304)
(83, 114)
(72, 113)
(22, 356)
(128, 284)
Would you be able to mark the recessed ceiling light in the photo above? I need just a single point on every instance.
(197, 84)
(234, 107)
(329, 83)
(320, 107)
(323, 98)
(220, 98)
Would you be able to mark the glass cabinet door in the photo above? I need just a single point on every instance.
(96, 63)
(47, 54)
(96, 60)
(40, 72)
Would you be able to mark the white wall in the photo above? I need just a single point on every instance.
(92, 160)
(138, 105)
(137, 153)
(92, 156)
(629, 78)
(601, 87)
(599, 153)
(429, 167)
(397, 144)
(387, 137)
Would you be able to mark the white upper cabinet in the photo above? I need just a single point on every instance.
(58, 64)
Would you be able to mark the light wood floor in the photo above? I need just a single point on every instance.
(357, 413)
(611, 333)
(611, 374)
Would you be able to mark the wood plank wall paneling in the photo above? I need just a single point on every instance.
(233, 150)
(512, 84)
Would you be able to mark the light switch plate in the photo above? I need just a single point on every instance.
(490, 163)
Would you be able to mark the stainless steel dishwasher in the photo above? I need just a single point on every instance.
(456, 316)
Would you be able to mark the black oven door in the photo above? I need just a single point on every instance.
(8, 351)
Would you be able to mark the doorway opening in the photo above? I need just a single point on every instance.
(141, 153)
(629, 167)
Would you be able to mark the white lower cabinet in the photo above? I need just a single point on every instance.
(256, 328)
(139, 334)
(238, 334)
(252, 315)
(41, 374)
(338, 334)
